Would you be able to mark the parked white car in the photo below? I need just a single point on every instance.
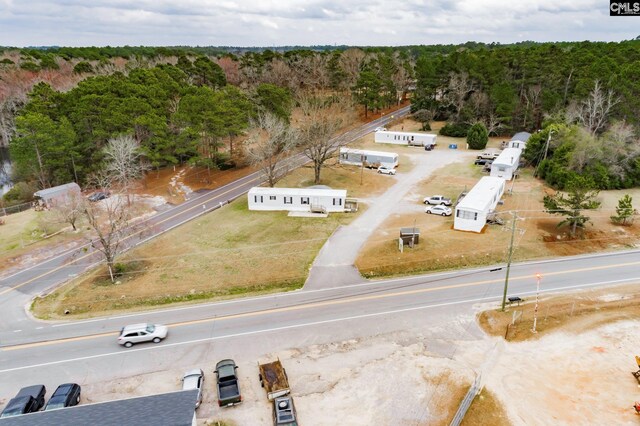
(437, 199)
(380, 129)
(138, 333)
(441, 210)
(386, 170)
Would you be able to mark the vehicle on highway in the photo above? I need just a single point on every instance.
(193, 379)
(227, 383)
(66, 395)
(441, 210)
(97, 196)
(437, 199)
(284, 412)
(138, 333)
(386, 170)
(274, 380)
(28, 400)
(380, 129)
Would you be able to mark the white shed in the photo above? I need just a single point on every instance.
(519, 140)
(313, 199)
(471, 213)
(57, 194)
(366, 158)
(405, 138)
(506, 164)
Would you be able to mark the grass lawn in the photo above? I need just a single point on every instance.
(27, 232)
(229, 252)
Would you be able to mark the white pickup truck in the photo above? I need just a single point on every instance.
(438, 200)
(488, 155)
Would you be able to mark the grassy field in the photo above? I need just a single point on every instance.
(486, 410)
(28, 232)
(230, 252)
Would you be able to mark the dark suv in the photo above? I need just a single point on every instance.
(28, 400)
(66, 395)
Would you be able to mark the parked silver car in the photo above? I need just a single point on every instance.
(138, 333)
(386, 170)
(193, 379)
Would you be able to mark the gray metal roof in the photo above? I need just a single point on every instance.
(521, 136)
(57, 190)
(167, 409)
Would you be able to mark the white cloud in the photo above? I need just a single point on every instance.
(300, 22)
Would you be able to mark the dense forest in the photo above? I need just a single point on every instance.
(60, 106)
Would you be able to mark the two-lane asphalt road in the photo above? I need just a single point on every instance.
(17, 290)
(57, 343)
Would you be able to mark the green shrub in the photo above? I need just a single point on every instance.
(456, 130)
(477, 136)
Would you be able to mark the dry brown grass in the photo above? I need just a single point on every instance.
(230, 252)
(443, 248)
(486, 410)
(573, 313)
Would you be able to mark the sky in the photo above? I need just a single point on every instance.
(312, 22)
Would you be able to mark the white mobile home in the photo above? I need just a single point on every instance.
(405, 138)
(519, 140)
(506, 164)
(314, 199)
(366, 158)
(471, 213)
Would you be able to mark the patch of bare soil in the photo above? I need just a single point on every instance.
(486, 410)
(575, 369)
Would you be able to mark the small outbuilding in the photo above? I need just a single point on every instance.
(506, 164)
(315, 199)
(57, 194)
(366, 158)
(519, 140)
(405, 138)
(410, 236)
(471, 213)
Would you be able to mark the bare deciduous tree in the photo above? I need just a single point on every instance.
(351, 62)
(317, 139)
(124, 163)
(270, 146)
(594, 111)
(68, 210)
(460, 86)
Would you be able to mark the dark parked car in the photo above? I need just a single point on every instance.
(482, 161)
(67, 395)
(28, 400)
(284, 412)
(97, 196)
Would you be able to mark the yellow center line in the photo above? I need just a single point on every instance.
(7, 290)
(311, 305)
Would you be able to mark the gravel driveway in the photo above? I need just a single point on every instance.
(334, 265)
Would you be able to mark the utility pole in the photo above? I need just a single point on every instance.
(506, 279)
(546, 146)
(535, 310)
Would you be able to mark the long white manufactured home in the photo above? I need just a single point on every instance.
(366, 158)
(471, 212)
(506, 164)
(405, 138)
(519, 140)
(297, 199)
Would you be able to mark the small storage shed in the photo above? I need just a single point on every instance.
(366, 158)
(410, 236)
(506, 164)
(471, 213)
(57, 194)
(519, 140)
(405, 138)
(321, 199)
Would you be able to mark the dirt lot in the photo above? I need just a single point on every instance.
(576, 372)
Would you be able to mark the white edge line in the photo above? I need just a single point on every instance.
(268, 330)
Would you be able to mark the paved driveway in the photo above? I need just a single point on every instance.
(334, 265)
